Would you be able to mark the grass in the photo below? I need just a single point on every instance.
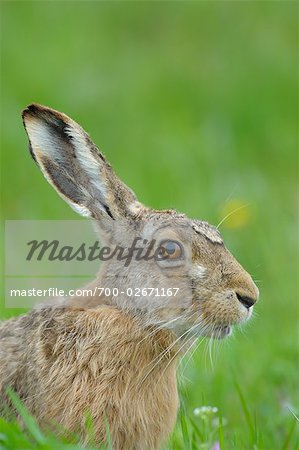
(203, 431)
(195, 105)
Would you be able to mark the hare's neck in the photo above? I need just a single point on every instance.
(156, 353)
(148, 349)
(136, 353)
(134, 369)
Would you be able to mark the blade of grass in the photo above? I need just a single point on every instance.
(197, 430)
(89, 426)
(108, 436)
(29, 420)
(221, 435)
(246, 411)
(185, 431)
(289, 435)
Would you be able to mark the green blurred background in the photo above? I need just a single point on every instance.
(195, 105)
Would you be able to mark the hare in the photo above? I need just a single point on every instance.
(115, 357)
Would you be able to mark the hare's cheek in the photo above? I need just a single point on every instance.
(224, 309)
(198, 272)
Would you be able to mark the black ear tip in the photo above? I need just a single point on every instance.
(45, 114)
(33, 110)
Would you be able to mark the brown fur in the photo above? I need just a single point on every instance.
(116, 357)
(96, 361)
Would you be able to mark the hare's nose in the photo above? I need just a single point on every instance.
(246, 301)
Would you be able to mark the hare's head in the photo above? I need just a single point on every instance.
(167, 269)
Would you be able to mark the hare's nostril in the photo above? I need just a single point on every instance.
(246, 301)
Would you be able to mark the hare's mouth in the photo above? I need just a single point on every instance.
(215, 331)
(221, 332)
(218, 332)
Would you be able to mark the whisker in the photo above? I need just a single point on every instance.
(231, 193)
(231, 213)
(197, 342)
(176, 353)
(162, 325)
(160, 356)
(188, 340)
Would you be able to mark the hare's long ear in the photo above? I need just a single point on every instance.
(75, 167)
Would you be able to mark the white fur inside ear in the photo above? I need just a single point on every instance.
(198, 271)
(43, 141)
(85, 158)
(79, 209)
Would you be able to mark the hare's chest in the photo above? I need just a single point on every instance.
(146, 415)
(102, 372)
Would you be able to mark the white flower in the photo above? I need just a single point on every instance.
(204, 411)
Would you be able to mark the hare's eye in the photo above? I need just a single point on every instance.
(170, 250)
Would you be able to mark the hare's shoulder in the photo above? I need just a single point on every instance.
(64, 324)
(79, 322)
